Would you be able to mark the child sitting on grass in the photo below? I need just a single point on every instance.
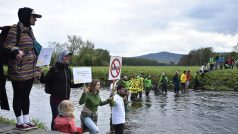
(65, 122)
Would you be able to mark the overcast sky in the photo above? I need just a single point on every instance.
(133, 27)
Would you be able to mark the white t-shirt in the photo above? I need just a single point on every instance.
(118, 111)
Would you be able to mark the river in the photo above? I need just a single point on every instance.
(194, 112)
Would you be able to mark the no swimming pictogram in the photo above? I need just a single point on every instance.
(115, 68)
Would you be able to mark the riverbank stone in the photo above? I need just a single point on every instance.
(10, 129)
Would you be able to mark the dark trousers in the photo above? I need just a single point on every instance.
(118, 128)
(183, 87)
(176, 87)
(133, 96)
(140, 94)
(21, 93)
(54, 103)
(147, 91)
(164, 88)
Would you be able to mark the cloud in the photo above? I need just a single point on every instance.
(215, 16)
(132, 27)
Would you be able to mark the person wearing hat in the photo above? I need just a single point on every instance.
(22, 67)
(58, 81)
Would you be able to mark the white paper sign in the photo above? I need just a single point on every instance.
(115, 68)
(44, 56)
(82, 75)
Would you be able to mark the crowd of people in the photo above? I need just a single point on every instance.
(22, 71)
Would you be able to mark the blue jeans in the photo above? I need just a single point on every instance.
(93, 129)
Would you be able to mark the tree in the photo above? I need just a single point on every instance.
(57, 48)
(74, 44)
(196, 57)
(101, 57)
(86, 54)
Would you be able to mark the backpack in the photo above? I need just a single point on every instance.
(48, 88)
(5, 54)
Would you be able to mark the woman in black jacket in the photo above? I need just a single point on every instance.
(58, 82)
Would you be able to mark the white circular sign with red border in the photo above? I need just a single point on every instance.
(115, 68)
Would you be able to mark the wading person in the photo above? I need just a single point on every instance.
(188, 77)
(91, 100)
(22, 69)
(183, 80)
(176, 82)
(147, 85)
(118, 110)
(163, 81)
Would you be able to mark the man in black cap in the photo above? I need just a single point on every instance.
(22, 68)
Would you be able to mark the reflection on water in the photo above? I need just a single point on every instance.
(193, 112)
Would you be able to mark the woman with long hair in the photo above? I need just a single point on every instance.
(91, 100)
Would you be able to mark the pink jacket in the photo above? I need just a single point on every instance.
(65, 124)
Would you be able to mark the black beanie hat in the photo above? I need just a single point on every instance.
(24, 15)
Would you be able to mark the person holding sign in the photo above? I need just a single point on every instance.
(91, 100)
(58, 82)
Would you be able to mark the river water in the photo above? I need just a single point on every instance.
(190, 113)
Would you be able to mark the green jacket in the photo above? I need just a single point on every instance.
(147, 83)
(163, 80)
(92, 101)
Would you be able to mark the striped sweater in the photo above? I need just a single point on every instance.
(24, 69)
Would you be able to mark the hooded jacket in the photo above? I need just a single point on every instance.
(24, 69)
(24, 15)
(59, 78)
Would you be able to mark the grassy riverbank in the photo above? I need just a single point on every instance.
(7, 121)
(226, 79)
(220, 80)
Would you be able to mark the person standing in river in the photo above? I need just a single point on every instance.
(188, 77)
(176, 82)
(183, 80)
(118, 110)
(91, 100)
(22, 68)
(164, 82)
(147, 85)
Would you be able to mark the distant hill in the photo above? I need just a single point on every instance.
(162, 57)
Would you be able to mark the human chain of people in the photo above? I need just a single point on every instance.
(20, 51)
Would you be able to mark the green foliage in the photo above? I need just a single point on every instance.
(202, 55)
(155, 71)
(214, 80)
(13, 122)
(220, 80)
(39, 124)
(197, 57)
(84, 52)
(140, 62)
(7, 121)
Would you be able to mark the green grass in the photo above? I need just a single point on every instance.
(7, 121)
(226, 79)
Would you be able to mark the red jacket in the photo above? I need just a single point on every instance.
(65, 124)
